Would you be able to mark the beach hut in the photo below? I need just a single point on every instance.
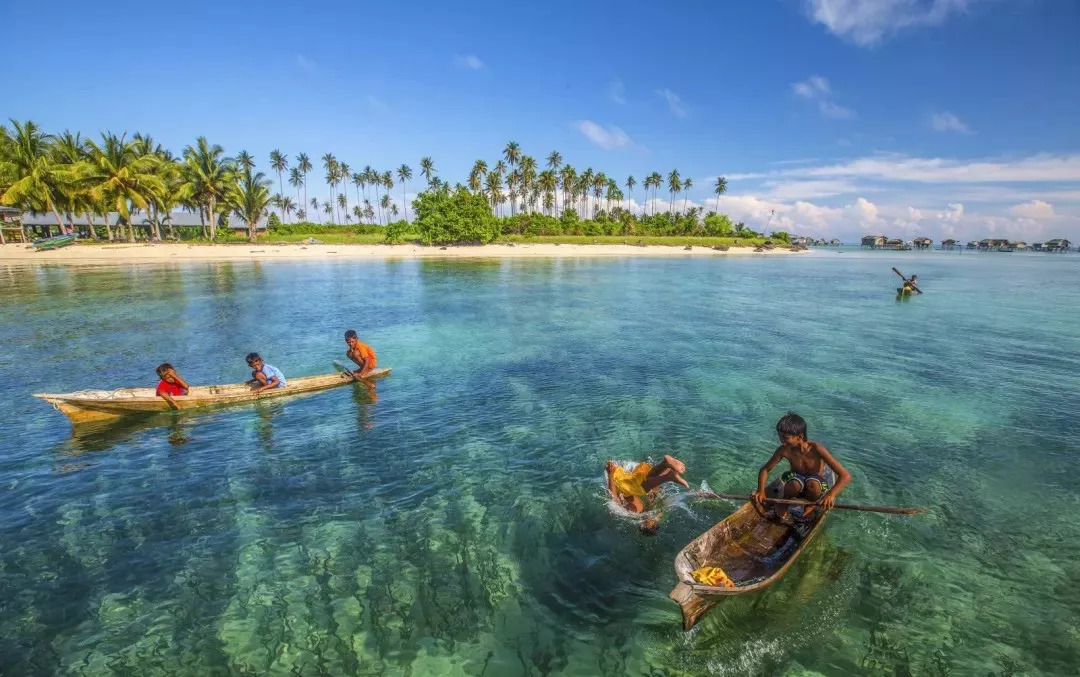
(874, 241)
(11, 225)
(922, 242)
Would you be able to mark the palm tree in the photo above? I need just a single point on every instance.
(343, 173)
(296, 179)
(720, 188)
(359, 182)
(303, 163)
(513, 180)
(375, 179)
(301, 214)
(500, 167)
(494, 190)
(393, 210)
(250, 197)
(427, 168)
(687, 185)
(315, 208)
(674, 186)
(404, 174)
(34, 179)
(387, 183)
(343, 202)
(279, 163)
(287, 207)
(584, 186)
(477, 175)
(369, 212)
(384, 205)
(568, 177)
(246, 160)
(630, 183)
(330, 164)
(512, 153)
(527, 165)
(554, 162)
(328, 209)
(599, 183)
(117, 175)
(70, 149)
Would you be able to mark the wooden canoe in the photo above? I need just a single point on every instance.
(99, 405)
(54, 242)
(753, 551)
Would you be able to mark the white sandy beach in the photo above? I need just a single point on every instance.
(158, 253)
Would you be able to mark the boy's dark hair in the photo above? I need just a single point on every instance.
(350, 334)
(251, 357)
(791, 424)
(649, 526)
(163, 367)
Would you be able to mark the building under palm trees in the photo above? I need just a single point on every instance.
(16, 231)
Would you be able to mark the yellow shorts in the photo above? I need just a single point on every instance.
(630, 483)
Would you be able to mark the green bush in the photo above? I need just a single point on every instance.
(272, 221)
(457, 217)
(396, 231)
(308, 228)
(719, 225)
(780, 236)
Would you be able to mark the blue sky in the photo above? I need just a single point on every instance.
(938, 117)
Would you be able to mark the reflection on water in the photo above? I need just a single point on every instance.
(453, 521)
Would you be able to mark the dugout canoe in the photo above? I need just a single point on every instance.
(100, 405)
(54, 242)
(753, 550)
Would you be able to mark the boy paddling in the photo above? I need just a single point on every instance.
(170, 384)
(806, 478)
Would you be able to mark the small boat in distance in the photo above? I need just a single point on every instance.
(54, 242)
(754, 552)
(100, 405)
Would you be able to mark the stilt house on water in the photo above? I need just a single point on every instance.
(922, 242)
(950, 244)
(874, 241)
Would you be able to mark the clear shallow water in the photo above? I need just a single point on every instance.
(457, 525)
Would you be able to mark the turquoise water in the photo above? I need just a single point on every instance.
(456, 525)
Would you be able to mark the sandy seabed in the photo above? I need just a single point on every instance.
(124, 253)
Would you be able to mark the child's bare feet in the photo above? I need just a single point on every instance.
(675, 464)
(679, 479)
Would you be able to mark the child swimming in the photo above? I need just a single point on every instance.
(635, 490)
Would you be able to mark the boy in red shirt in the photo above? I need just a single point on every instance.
(170, 384)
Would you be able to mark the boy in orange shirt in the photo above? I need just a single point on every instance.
(360, 353)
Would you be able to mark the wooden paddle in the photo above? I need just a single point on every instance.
(791, 501)
(345, 370)
(906, 281)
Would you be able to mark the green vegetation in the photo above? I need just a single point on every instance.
(143, 184)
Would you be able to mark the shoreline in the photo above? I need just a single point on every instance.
(163, 252)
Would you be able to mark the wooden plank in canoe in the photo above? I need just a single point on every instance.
(98, 405)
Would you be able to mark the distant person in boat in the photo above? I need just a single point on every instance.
(806, 478)
(170, 384)
(265, 376)
(635, 490)
(360, 353)
(910, 284)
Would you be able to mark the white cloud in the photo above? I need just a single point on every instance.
(812, 87)
(1043, 167)
(616, 92)
(947, 122)
(376, 105)
(806, 190)
(867, 22)
(1036, 209)
(468, 61)
(831, 110)
(674, 102)
(955, 213)
(608, 138)
(816, 88)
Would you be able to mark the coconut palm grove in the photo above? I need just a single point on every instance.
(128, 187)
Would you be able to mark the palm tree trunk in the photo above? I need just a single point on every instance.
(305, 191)
(90, 222)
(281, 192)
(403, 205)
(718, 203)
(213, 221)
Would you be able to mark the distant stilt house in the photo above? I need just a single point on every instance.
(1057, 245)
(972, 244)
(874, 241)
(922, 242)
(995, 245)
(1019, 246)
(802, 241)
(950, 244)
(11, 225)
(834, 242)
(897, 245)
